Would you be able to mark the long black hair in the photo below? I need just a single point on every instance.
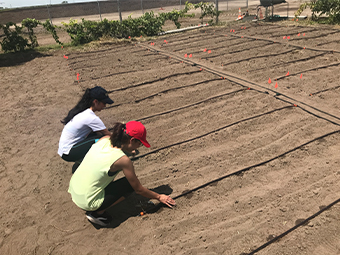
(85, 102)
(119, 137)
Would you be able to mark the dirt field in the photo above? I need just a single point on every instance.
(262, 158)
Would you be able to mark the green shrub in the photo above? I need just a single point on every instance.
(13, 41)
(52, 29)
(30, 24)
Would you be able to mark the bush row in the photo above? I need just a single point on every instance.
(86, 31)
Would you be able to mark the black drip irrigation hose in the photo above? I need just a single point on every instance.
(308, 70)
(112, 74)
(309, 112)
(290, 62)
(288, 44)
(149, 82)
(167, 90)
(293, 228)
(321, 91)
(261, 56)
(210, 132)
(180, 87)
(190, 105)
(312, 107)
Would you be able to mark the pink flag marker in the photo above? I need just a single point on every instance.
(269, 81)
(209, 51)
(205, 50)
(276, 85)
(185, 55)
(190, 55)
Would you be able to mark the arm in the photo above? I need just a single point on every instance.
(104, 132)
(129, 172)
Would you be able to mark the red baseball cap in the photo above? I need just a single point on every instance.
(138, 131)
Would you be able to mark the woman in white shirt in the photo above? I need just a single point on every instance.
(82, 126)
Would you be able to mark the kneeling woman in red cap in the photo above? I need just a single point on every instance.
(92, 187)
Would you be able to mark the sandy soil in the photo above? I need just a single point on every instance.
(277, 149)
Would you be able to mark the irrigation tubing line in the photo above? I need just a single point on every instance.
(303, 109)
(321, 91)
(211, 132)
(167, 90)
(308, 70)
(113, 74)
(312, 107)
(261, 56)
(290, 62)
(149, 82)
(180, 87)
(293, 228)
(260, 46)
(285, 43)
(189, 105)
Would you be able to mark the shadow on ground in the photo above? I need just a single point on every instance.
(133, 205)
(18, 58)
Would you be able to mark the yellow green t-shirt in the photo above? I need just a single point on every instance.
(89, 181)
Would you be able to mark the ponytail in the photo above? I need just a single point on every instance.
(85, 102)
(119, 137)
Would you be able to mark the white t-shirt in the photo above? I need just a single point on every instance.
(78, 128)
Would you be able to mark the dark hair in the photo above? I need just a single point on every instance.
(85, 102)
(119, 137)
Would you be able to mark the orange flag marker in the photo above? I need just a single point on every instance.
(205, 50)
(295, 105)
(165, 41)
(129, 37)
(66, 57)
(209, 51)
(244, 28)
(303, 34)
(300, 76)
(284, 37)
(231, 30)
(269, 81)
(287, 73)
(242, 36)
(190, 55)
(185, 55)
(248, 88)
(276, 85)
(234, 30)
(298, 34)
(288, 37)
